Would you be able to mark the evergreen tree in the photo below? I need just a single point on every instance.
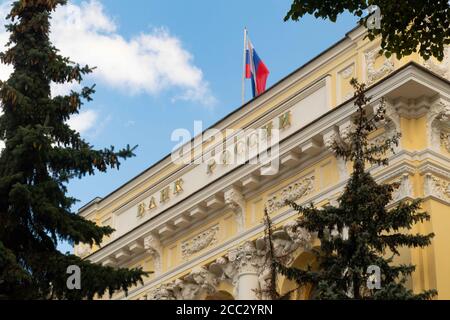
(361, 232)
(42, 153)
(404, 26)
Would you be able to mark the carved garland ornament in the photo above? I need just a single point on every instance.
(375, 74)
(293, 192)
(445, 140)
(437, 187)
(251, 257)
(404, 190)
(438, 122)
(199, 281)
(201, 241)
(440, 68)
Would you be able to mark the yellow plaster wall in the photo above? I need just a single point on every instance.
(332, 68)
(414, 137)
(437, 257)
(433, 263)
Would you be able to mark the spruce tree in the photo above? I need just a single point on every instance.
(42, 153)
(360, 231)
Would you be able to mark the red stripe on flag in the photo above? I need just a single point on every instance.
(262, 73)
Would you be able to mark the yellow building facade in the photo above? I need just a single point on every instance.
(198, 224)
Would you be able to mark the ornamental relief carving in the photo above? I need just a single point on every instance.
(382, 138)
(291, 193)
(345, 75)
(445, 140)
(438, 124)
(201, 241)
(200, 281)
(234, 199)
(405, 189)
(153, 247)
(251, 256)
(437, 187)
(374, 74)
(348, 72)
(391, 127)
(440, 68)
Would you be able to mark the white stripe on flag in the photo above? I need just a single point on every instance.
(252, 61)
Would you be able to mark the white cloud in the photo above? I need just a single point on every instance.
(61, 89)
(84, 121)
(150, 62)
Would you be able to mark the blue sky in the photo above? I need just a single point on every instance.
(198, 50)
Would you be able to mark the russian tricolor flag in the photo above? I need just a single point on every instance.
(255, 69)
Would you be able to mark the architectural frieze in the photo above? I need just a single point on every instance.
(404, 190)
(437, 187)
(249, 258)
(291, 193)
(445, 140)
(199, 242)
(373, 73)
(235, 200)
(442, 68)
(438, 122)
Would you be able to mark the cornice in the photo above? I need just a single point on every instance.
(278, 88)
(398, 169)
(315, 129)
(400, 163)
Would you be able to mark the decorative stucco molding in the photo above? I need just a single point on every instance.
(251, 257)
(236, 202)
(246, 257)
(440, 68)
(445, 140)
(437, 187)
(198, 282)
(374, 74)
(405, 189)
(163, 292)
(153, 247)
(199, 242)
(348, 72)
(291, 193)
(438, 120)
(329, 139)
(390, 124)
(392, 121)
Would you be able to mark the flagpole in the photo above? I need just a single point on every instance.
(243, 68)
